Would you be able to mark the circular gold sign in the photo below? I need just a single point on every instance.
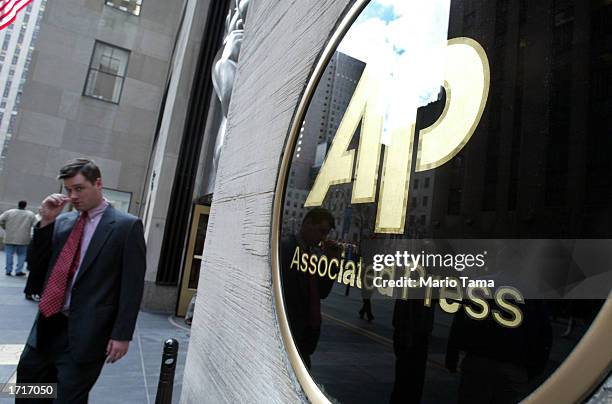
(441, 227)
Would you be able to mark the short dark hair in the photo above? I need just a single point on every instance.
(86, 167)
(22, 204)
(318, 215)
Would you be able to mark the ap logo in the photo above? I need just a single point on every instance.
(466, 82)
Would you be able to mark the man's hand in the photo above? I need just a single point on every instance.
(116, 350)
(51, 207)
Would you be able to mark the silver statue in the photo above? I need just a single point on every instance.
(224, 75)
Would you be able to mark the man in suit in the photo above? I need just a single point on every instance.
(88, 308)
(303, 291)
(17, 225)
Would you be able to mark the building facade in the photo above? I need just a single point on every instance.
(95, 86)
(18, 42)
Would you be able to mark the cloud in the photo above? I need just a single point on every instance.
(403, 42)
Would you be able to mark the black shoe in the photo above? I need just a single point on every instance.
(20, 274)
(8, 274)
(29, 297)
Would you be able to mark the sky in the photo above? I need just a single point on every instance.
(403, 42)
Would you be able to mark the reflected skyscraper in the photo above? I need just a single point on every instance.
(535, 163)
(18, 41)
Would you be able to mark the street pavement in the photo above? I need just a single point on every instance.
(354, 360)
(362, 350)
(133, 379)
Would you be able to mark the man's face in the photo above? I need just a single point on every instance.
(314, 233)
(83, 194)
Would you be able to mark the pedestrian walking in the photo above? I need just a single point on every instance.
(37, 267)
(17, 225)
(89, 305)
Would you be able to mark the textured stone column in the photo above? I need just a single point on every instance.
(236, 353)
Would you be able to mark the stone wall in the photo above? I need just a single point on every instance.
(57, 123)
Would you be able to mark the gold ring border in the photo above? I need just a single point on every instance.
(312, 391)
(586, 366)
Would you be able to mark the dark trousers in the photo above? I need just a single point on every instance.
(51, 362)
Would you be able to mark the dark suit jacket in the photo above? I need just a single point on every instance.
(109, 284)
(296, 288)
(37, 265)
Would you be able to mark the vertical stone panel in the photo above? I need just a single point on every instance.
(236, 353)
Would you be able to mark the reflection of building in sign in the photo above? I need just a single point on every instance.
(421, 187)
(523, 170)
(419, 204)
(293, 211)
(336, 203)
(326, 109)
(466, 81)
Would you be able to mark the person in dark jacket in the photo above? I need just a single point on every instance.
(499, 361)
(303, 291)
(96, 263)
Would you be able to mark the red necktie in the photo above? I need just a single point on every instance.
(52, 300)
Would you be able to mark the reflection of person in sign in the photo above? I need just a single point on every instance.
(499, 365)
(303, 291)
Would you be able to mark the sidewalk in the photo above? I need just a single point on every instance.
(133, 379)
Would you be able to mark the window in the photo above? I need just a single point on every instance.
(128, 6)
(12, 122)
(119, 199)
(5, 44)
(21, 34)
(7, 89)
(106, 72)
(454, 201)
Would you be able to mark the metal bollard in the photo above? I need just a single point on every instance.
(166, 374)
